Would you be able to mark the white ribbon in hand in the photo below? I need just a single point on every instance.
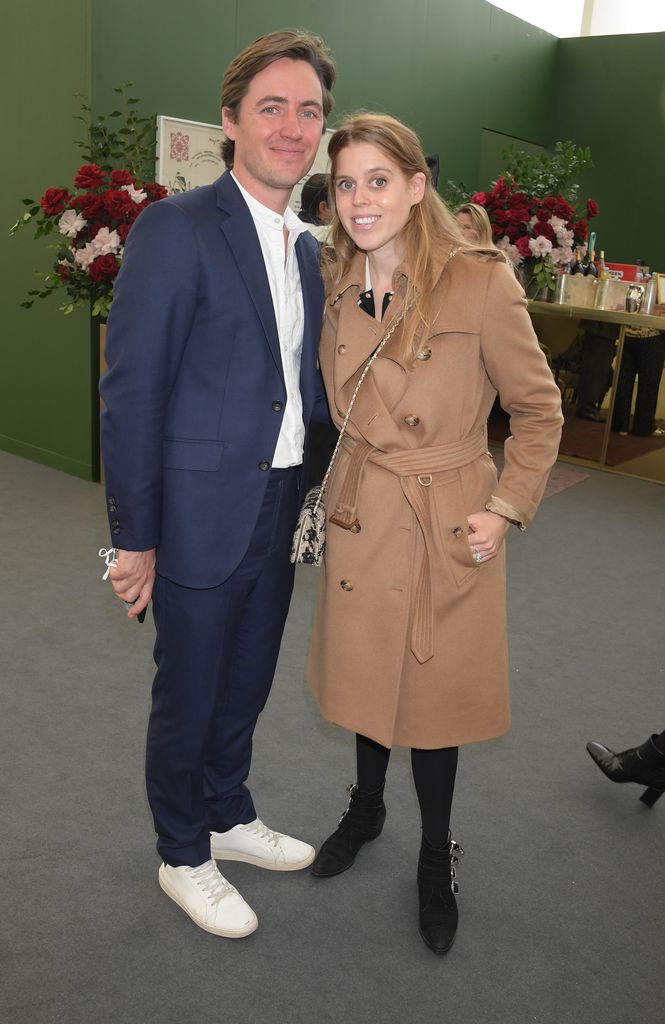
(111, 559)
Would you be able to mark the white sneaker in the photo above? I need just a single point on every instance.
(256, 844)
(211, 902)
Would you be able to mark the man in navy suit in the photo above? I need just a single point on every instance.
(212, 379)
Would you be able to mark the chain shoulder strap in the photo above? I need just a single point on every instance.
(377, 352)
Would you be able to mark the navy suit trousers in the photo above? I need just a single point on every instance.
(216, 652)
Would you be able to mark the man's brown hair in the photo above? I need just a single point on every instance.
(293, 44)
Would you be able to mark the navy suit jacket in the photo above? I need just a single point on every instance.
(194, 393)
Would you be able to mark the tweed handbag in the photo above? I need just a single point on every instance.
(309, 539)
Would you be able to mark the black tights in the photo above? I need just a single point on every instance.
(433, 774)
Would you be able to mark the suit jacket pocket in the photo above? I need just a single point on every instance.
(450, 514)
(180, 453)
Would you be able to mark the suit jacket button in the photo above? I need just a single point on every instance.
(116, 529)
(115, 523)
(346, 584)
(458, 532)
(341, 349)
(264, 465)
(411, 420)
(278, 406)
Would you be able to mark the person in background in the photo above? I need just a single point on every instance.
(409, 642)
(644, 765)
(475, 224)
(595, 375)
(211, 385)
(643, 357)
(314, 207)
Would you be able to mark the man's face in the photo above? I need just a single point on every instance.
(278, 130)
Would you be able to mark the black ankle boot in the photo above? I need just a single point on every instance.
(644, 765)
(362, 821)
(437, 886)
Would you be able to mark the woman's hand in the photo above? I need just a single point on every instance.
(486, 537)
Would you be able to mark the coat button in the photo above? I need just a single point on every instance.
(341, 349)
(411, 420)
(425, 354)
(278, 406)
(346, 584)
(264, 465)
(458, 532)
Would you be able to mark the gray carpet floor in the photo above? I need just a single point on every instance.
(561, 902)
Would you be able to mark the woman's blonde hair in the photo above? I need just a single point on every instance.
(427, 235)
(480, 221)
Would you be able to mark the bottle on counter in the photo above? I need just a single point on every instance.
(590, 265)
(603, 272)
(578, 265)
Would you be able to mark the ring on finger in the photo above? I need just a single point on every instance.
(477, 557)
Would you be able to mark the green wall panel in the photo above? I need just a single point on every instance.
(45, 358)
(610, 95)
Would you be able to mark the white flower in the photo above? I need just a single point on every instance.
(513, 256)
(533, 220)
(540, 246)
(136, 194)
(85, 256)
(71, 223)
(558, 223)
(561, 256)
(106, 241)
(511, 252)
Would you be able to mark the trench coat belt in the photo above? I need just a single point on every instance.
(414, 468)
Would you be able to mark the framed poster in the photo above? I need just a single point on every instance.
(189, 154)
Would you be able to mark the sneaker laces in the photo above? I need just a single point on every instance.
(263, 832)
(208, 878)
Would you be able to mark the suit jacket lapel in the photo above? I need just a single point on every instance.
(312, 296)
(238, 227)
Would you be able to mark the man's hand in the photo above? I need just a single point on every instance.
(487, 532)
(133, 577)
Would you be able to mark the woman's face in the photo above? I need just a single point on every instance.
(374, 198)
(467, 228)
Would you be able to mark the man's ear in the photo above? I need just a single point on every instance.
(228, 123)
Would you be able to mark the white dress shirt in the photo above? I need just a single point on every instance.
(286, 290)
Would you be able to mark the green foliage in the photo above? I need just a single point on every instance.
(455, 193)
(548, 174)
(121, 138)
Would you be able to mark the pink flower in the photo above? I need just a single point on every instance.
(540, 246)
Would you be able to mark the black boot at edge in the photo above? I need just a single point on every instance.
(361, 822)
(644, 765)
(437, 887)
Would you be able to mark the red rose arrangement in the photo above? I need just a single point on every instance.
(94, 221)
(538, 235)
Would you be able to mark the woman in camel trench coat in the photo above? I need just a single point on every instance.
(409, 640)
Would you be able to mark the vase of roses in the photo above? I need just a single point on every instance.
(535, 210)
(91, 219)
(540, 236)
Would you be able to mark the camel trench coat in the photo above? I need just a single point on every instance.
(409, 639)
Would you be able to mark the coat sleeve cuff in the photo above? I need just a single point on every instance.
(509, 512)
